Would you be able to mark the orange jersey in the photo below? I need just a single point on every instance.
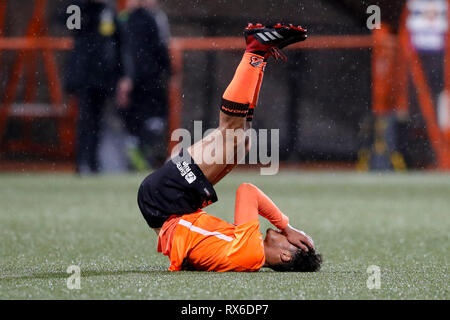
(211, 244)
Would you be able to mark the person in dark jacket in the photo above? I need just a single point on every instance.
(142, 94)
(93, 69)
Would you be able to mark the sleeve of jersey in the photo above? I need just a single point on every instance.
(251, 201)
(274, 215)
(247, 249)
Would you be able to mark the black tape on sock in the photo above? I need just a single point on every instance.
(234, 109)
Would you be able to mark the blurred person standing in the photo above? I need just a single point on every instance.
(93, 69)
(142, 93)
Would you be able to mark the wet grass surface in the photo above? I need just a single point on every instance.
(400, 223)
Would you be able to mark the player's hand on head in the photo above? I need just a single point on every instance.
(298, 238)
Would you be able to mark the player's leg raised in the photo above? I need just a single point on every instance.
(218, 152)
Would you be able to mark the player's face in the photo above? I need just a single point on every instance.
(276, 239)
(277, 248)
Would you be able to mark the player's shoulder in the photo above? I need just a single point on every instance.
(249, 226)
(201, 217)
(193, 217)
(213, 223)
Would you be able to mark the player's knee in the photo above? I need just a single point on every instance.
(245, 188)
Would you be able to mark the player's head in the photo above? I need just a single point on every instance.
(281, 255)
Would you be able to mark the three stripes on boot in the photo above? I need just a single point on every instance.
(268, 35)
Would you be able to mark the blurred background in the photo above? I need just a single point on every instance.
(104, 97)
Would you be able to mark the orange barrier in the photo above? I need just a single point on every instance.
(121, 5)
(37, 42)
(177, 47)
(235, 43)
(383, 44)
(409, 60)
(382, 65)
(446, 151)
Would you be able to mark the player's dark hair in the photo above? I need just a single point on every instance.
(301, 262)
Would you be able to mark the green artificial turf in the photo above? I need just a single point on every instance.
(400, 223)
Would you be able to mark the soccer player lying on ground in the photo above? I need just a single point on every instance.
(171, 198)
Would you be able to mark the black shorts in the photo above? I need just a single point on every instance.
(178, 187)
